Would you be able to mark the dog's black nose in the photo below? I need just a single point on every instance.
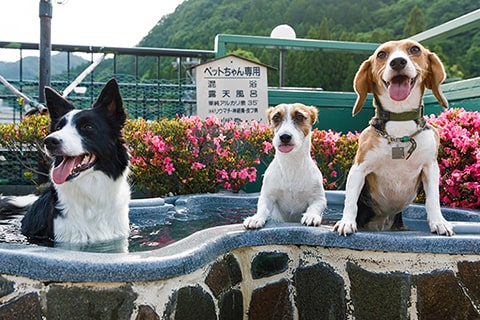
(398, 63)
(51, 143)
(285, 138)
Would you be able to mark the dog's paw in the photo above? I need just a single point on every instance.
(441, 227)
(254, 222)
(311, 219)
(345, 227)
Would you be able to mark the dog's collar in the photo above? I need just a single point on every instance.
(409, 138)
(385, 116)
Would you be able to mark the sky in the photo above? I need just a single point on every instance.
(113, 23)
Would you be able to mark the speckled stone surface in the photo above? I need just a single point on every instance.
(66, 302)
(440, 296)
(378, 295)
(320, 293)
(224, 275)
(146, 313)
(271, 302)
(190, 303)
(6, 287)
(191, 253)
(26, 307)
(267, 264)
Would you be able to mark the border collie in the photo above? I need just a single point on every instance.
(292, 188)
(88, 196)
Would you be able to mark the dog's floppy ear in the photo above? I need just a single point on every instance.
(313, 114)
(436, 75)
(57, 105)
(111, 100)
(362, 84)
(269, 112)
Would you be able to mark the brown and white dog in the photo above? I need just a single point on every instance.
(398, 151)
(292, 187)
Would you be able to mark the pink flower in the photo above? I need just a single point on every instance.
(170, 168)
(193, 139)
(243, 174)
(252, 177)
(158, 143)
(223, 174)
(167, 162)
(221, 153)
(267, 146)
(198, 166)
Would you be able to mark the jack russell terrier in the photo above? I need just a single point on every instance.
(292, 187)
(398, 151)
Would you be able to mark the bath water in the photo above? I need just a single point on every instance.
(147, 233)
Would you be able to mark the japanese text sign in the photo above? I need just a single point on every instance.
(232, 88)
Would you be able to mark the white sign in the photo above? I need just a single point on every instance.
(232, 88)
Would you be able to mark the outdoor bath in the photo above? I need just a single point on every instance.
(228, 272)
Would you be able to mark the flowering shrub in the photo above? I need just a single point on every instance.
(334, 152)
(25, 138)
(190, 155)
(459, 157)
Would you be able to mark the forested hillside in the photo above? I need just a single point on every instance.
(195, 23)
(10, 70)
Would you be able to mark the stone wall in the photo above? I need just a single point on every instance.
(269, 282)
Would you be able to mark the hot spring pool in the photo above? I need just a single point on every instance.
(284, 269)
(158, 222)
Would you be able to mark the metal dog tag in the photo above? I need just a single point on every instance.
(398, 153)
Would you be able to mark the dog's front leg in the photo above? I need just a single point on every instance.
(430, 178)
(258, 220)
(355, 182)
(314, 213)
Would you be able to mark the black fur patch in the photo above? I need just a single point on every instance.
(366, 211)
(37, 225)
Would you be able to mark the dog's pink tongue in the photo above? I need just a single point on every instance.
(285, 148)
(399, 88)
(61, 172)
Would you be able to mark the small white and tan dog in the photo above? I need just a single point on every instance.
(292, 188)
(398, 151)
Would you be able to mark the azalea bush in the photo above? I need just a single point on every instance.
(190, 155)
(25, 139)
(459, 157)
(334, 153)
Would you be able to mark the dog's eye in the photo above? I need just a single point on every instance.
(414, 50)
(276, 118)
(88, 127)
(299, 117)
(382, 55)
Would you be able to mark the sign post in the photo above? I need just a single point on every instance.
(232, 88)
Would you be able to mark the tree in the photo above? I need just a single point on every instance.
(415, 23)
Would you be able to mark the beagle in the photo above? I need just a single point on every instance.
(398, 151)
(292, 188)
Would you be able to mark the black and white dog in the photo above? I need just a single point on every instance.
(87, 199)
